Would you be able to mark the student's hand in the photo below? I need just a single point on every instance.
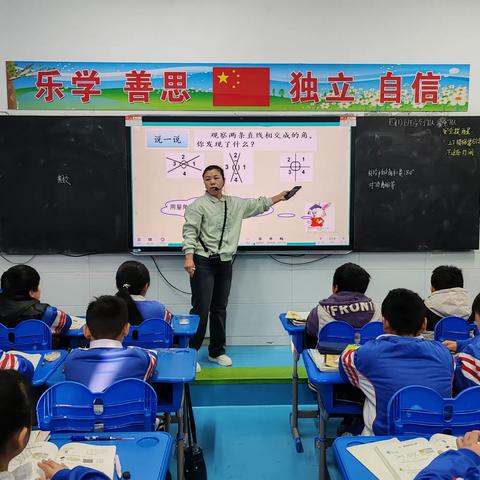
(50, 468)
(470, 441)
(451, 345)
(189, 264)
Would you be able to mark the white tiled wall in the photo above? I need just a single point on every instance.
(261, 288)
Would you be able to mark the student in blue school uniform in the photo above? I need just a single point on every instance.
(397, 359)
(462, 463)
(20, 300)
(107, 360)
(347, 303)
(15, 428)
(133, 280)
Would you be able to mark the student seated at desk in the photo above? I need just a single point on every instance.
(347, 303)
(397, 359)
(448, 297)
(20, 300)
(107, 360)
(462, 463)
(133, 280)
(15, 428)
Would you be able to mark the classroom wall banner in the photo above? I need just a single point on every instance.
(39, 85)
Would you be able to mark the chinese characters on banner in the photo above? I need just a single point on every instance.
(330, 87)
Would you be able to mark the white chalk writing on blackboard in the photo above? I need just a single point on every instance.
(421, 122)
(382, 178)
(63, 179)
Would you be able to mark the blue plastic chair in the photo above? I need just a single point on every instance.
(27, 335)
(337, 332)
(336, 335)
(127, 405)
(418, 410)
(453, 328)
(151, 333)
(370, 331)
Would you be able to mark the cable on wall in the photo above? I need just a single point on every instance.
(166, 280)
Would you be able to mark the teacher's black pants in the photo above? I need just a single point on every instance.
(210, 286)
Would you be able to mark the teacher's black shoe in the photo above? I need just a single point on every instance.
(223, 360)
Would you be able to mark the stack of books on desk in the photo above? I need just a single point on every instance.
(395, 460)
(297, 318)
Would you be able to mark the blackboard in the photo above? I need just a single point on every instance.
(416, 183)
(63, 184)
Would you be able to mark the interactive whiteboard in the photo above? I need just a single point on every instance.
(260, 156)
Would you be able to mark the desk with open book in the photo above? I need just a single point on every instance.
(388, 457)
(145, 455)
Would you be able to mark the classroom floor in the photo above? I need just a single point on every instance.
(254, 441)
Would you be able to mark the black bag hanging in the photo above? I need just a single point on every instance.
(194, 466)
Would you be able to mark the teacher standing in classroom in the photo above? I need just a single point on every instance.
(210, 239)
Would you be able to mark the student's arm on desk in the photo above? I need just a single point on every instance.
(78, 473)
(466, 372)
(58, 321)
(152, 363)
(451, 464)
(346, 366)
(10, 361)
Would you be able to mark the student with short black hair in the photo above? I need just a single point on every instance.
(107, 360)
(15, 428)
(397, 359)
(20, 300)
(133, 280)
(448, 297)
(347, 303)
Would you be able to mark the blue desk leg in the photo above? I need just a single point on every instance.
(294, 414)
(320, 441)
(181, 434)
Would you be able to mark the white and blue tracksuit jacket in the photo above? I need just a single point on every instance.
(383, 366)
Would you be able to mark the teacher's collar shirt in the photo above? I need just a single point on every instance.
(204, 219)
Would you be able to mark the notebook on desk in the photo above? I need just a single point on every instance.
(77, 323)
(401, 460)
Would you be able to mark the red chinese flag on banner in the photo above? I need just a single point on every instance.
(241, 87)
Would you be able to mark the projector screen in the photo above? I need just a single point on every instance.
(261, 156)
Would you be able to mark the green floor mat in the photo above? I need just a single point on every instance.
(249, 375)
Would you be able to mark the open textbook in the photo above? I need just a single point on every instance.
(98, 457)
(325, 362)
(395, 460)
(77, 322)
